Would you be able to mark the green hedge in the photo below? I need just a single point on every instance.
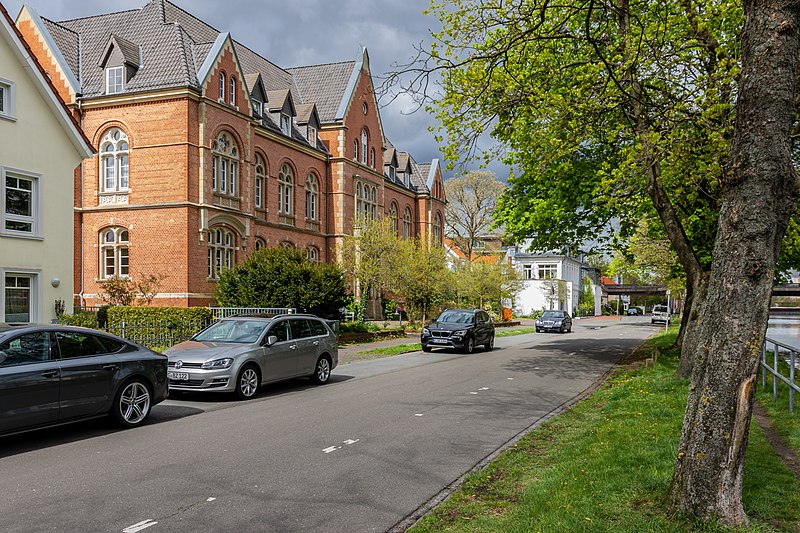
(117, 314)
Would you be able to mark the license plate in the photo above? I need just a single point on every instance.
(438, 341)
(178, 376)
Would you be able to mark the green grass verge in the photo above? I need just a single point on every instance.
(395, 350)
(606, 465)
(512, 332)
(785, 423)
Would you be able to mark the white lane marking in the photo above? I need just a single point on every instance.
(330, 449)
(510, 379)
(350, 441)
(473, 393)
(418, 414)
(211, 499)
(484, 388)
(140, 526)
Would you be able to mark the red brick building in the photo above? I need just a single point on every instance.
(208, 151)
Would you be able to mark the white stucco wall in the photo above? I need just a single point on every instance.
(36, 142)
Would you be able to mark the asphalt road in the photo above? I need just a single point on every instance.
(362, 453)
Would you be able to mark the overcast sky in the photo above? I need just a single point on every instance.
(308, 32)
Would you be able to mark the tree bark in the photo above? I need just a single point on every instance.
(760, 194)
(688, 337)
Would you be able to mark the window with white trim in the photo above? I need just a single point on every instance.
(115, 80)
(366, 200)
(114, 252)
(364, 141)
(408, 226)
(285, 190)
(527, 271)
(286, 124)
(256, 108)
(312, 198)
(221, 251)
(225, 167)
(547, 270)
(259, 189)
(260, 243)
(312, 252)
(114, 150)
(21, 214)
(312, 135)
(20, 298)
(355, 150)
(7, 98)
(393, 216)
(372, 157)
(222, 86)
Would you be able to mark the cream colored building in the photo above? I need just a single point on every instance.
(40, 146)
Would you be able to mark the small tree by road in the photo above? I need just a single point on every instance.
(471, 200)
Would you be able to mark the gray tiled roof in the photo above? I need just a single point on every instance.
(419, 175)
(324, 85)
(129, 50)
(67, 42)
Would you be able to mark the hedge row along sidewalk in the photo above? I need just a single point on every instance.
(606, 465)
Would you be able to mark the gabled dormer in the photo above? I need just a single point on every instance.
(258, 95)
(120, 61)
(308, 122)
(282, 110)
(404, 169)
(390, 163)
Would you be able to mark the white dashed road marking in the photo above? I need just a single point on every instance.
(418, 414)
(211, 499)
(347, 442)
(140, 526)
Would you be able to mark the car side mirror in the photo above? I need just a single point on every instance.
(272, 339)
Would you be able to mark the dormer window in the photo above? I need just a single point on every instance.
(312, 135)
(286, 124)
(115, 80)
(392, 172)
(256, 108)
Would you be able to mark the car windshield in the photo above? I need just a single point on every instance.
(553, 314)
(660, 309)
(456, 317)
(239, 331)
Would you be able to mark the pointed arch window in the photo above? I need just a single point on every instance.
(285, 190)
(259, 185)
(366, 200)
(222, 86)
(407, 224)
(312, 198)
(232, 91)
(260, 244)
(221, 251)
(437, 229)
(225, 168)
(312, 252)
(355, 150)
(114, 254)
(393, 217)
(372, 157)
(364, 141)
(114, 150)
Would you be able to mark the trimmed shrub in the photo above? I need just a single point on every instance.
(116, 314)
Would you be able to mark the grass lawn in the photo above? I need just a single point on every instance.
(606, 465)
(785, 423)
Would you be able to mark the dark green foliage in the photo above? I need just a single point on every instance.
(86, 319)
(283, 277)
(130, 314)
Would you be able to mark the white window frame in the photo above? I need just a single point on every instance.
(224, 165)
(222, 85)
(286, 190)
(256, 108)
(119, 76)
(355, 150)
(547, 268)
(312, 198)
(286, 124)
(364, 143)
(312, 135)
(35, 218)
(232, 91)
(120, 160)
(221, 251)
(117, 250)
(8, 99)
(527, 272)
(366, 200)
(312, 252)
(259, 183)
(35, 297)
(408, 223)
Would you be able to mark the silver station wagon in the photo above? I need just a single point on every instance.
(239, 354)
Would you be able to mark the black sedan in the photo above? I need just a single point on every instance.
(462, 329)
(554, 320)
(52, 375)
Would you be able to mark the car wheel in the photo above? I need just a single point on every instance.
(570, 329)
(538, 330)
(247, 382)
(469, 346)
(322, 372)
(426, 348)
(489, 345)
(132, 403)
(562, 329)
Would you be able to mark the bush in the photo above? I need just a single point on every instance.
(85, 319)
(283, 277)
(175, 315)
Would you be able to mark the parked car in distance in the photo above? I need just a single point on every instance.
(554, 320)
(239, 354)
(659, 314)
(460, 329)
(633, 311)
(51, 375)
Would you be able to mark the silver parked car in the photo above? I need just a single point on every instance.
(239, 354)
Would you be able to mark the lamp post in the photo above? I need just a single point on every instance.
(666, 323)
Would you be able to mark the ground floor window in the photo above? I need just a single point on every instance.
(19, 298)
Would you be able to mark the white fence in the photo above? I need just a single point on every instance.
(222, 312)
(780, 350)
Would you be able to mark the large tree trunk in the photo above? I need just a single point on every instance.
(760, 194)
(691, 321)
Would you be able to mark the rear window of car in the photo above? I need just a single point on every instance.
(318, 328)
(660, 309)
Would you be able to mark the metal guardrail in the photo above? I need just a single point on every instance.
(774, 370)
(222, 312)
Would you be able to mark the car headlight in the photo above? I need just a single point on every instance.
(426, 332)
(459, 333)
(217, 364)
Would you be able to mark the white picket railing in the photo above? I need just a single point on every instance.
(779, 350)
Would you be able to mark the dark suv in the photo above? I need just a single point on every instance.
(461, 329)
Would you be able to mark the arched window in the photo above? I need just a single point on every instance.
(355, 150)
(372, 157)
(225, 170)
(364, 140)
(313, 253)
(221, 250)
(407, 224)
(437, 229)
(312, 198)
(260, 243)
(222, 85)
(285, 190)
(114, 151)
(393, 217)
(260, 181)
(114, 255)
(287, 244)
(366, 200)
(232, 91)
